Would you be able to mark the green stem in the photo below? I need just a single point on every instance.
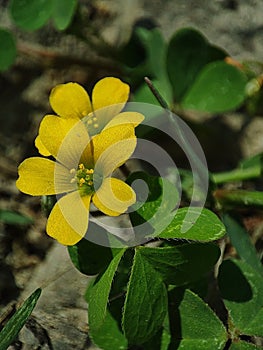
(236, 175)
(238, 198)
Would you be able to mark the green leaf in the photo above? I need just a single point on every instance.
(154, 210)
(109, 336)
(30, 14)
(182, 264)
(89, 258)
(155, 48)
(197, 327)
(219, 87)
(242, 345)
(17, 321)
(241, 241)
(146, 302)
(241, 288)
(14, 218)
(63, 12)
(98, 295)
(188, 52)
(7, 49)
(194, 223)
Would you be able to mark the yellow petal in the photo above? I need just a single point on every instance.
(65, 139)
(133, 118)
(70, 100)
(113, 136)
(114, 197)
(36, 177)
(114, 156)
(41, 148)
(110, 91)
(68, 220)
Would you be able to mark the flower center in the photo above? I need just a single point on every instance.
(84, 179)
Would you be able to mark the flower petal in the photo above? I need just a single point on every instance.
(70, 100)
(68, 220)
(65, 139)
(37, 177)
(110, 91)
(133, 118)
(53, 130)
(41, 148)
(114, 197)
(112, 137)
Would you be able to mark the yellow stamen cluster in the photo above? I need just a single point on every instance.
(83, 177)
(93, 121)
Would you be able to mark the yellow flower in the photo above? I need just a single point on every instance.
(71, 101)
(81, 173)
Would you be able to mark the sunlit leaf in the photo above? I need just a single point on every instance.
(218, 87)
(203, 225)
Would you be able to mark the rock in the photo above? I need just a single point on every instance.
(59, 320)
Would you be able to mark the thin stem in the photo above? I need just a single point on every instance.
(236, 175)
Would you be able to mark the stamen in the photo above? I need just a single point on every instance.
(96, 126)
(72, 171)
(81, 181)
(81, 167)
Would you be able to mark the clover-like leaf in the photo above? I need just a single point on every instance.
(183, 263)
(219, 87)
(195, 326)
(30, 14)
(188, 52)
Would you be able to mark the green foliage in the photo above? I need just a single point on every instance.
(188, 52)
(218, 87)
(89, 258)
(146, 302)
(7, 49)
(191, 73)
(99, 294)
(245, 300)
(30, 14)
(13, 218)
(194, 325)
(194, 223)
(183, 263)
(17, 321)
(242, 242)
(34, 14)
